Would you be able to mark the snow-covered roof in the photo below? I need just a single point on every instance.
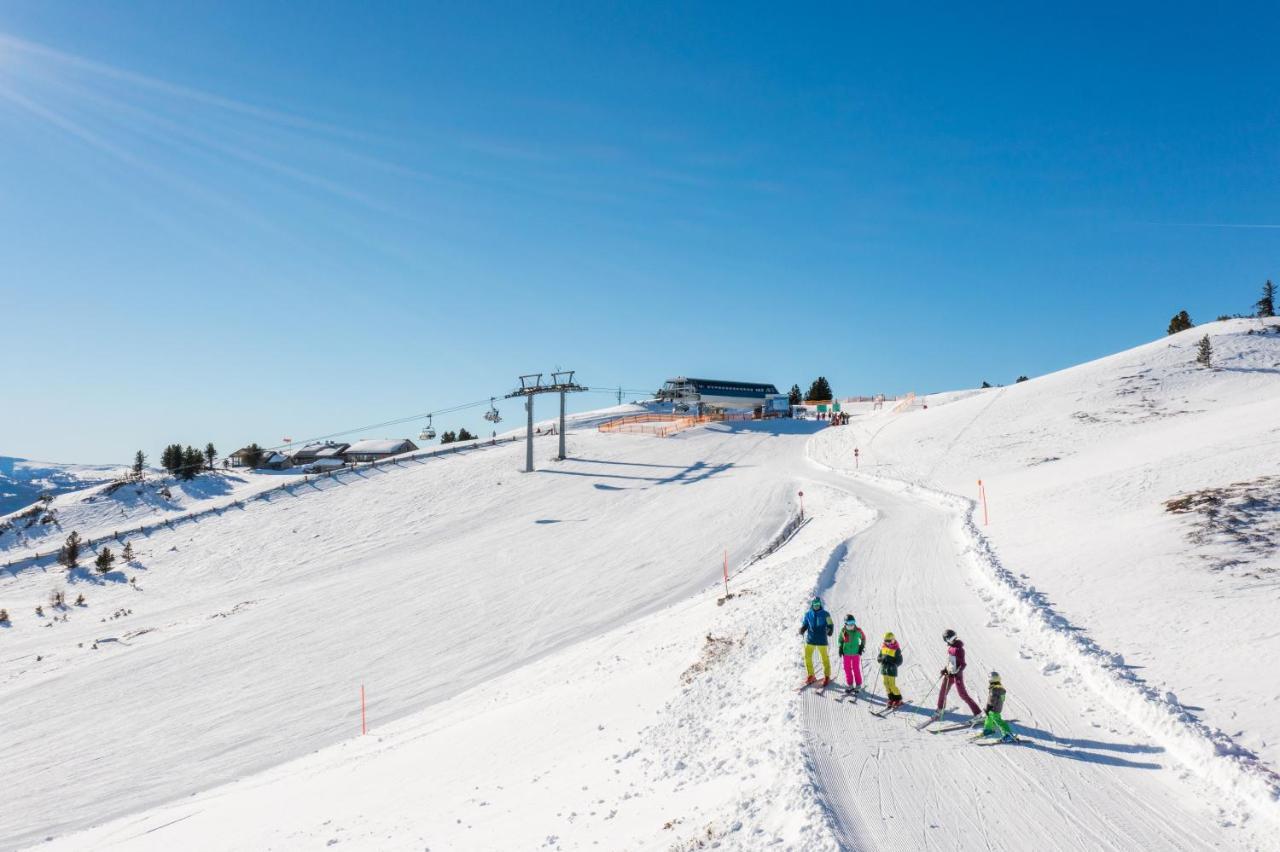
(384, 446)
(309, 448)
(331, 451)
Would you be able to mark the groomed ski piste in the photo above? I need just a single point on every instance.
(549, 661)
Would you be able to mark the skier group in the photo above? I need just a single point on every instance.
(817, 628)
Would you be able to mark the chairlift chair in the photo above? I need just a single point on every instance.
(428, 431)
(492, 414)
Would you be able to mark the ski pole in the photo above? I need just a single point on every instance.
(935, 685)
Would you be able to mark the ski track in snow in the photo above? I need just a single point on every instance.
(1087, 778)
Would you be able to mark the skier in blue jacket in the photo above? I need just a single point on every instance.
(817, 628)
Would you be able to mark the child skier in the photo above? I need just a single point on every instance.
(953, 673)
(852, 641)
(890, 658)
(817, 628)
(995, 706)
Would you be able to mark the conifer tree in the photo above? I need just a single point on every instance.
(794, 397)
(172, 459)
(464, 435)
(819, 391)
(210, 453)
(1204, 352)
(192, 461)
(1267, 304)
(127, 555)
(1181, 322)
(105, 560)
(139, 463)
(69, 555)
(448, 438)
(253, 455)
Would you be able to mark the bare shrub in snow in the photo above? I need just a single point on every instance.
(1233, 525)
(714, 650)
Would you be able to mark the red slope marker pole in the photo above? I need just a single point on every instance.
(364, 729)
(982, 492)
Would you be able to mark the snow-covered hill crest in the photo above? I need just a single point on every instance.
(23, 481)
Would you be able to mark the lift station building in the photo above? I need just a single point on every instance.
(685, 393)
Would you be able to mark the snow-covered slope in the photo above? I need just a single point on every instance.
(23, 481)
(1140, 494)
(549, 664)
(245, 638)
(100, 510)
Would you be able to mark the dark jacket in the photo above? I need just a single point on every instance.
(995, 700)
(817, 626)
(890, 658)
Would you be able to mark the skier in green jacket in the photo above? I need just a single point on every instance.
(852, 641)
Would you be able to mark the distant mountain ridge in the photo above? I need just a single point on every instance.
(22, 481)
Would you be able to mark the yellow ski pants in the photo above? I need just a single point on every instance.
(808, 659)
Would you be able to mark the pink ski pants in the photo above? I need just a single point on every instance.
(853, 670)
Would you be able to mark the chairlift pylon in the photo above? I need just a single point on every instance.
(428, 431)
(492, 414)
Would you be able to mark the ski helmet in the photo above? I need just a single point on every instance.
(816, 603)
(995, 677)
(850, 620)
(888, 637)
(949, 635)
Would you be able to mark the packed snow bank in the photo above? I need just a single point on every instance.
(1081, 468)
(243, 641)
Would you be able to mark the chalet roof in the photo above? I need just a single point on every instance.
(384, 446)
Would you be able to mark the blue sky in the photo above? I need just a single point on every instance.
(238, 221)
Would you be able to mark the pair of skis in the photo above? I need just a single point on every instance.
(821, 687)
(934, 717)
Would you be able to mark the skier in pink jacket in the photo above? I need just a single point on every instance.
(953, 673)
